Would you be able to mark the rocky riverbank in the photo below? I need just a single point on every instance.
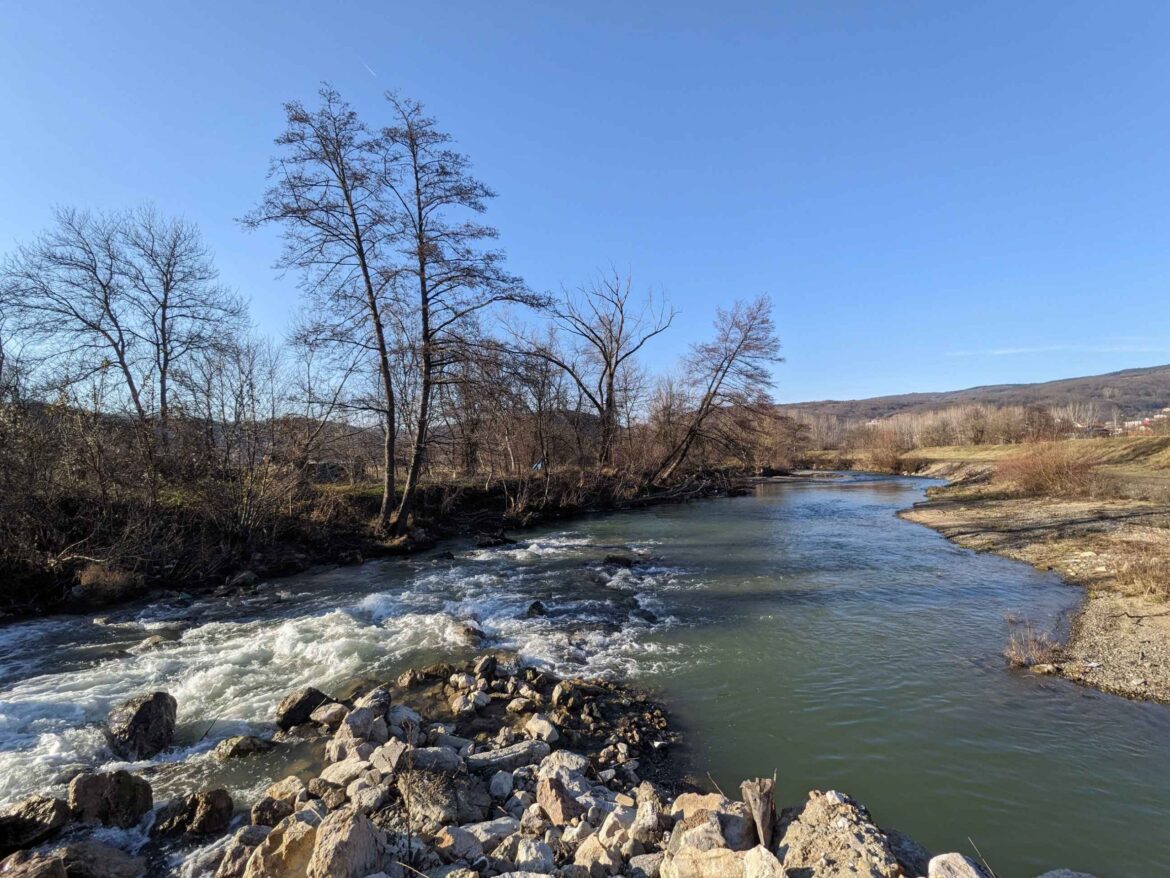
(486, 769)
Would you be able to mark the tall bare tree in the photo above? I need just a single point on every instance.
(328, 192)
(445, 268)
(607, 328)
(730, 371)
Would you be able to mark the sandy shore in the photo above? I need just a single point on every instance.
(1120, 641)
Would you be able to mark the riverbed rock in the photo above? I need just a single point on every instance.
(269, 811)
(286, 850)
(599, 861)
(297, 707)
(433, 799)
(541, 729)
(1065, 873)
(829, 835)
(115, 798)
(442, 759)
(557, 802)
(93, 859)
(241, 745)
(239, 849)
(911, 856)
(288, 789)
(954, 865)
(509, 758)
(31, 821)
(143, 726)
(456, 843)
(204, 813)
(25, 864)
(329, 714)
(526, 854)
(346, 846)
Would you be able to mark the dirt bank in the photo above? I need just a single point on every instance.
(1120, 639)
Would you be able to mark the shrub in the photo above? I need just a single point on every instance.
(1147, 573)
(1051, 470)
(1028, 646)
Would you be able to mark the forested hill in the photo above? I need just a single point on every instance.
(1132, 392)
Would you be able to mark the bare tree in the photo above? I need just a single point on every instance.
(132, 292)
(451, 276)
(327, 191)
(732, 370)
(173, 285)
(607, 328)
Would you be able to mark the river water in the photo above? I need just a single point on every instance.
(805, 630)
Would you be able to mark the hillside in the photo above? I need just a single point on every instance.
(1132, 392)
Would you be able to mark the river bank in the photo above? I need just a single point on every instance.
(345, 537)
(1119, 640)
(455, 771)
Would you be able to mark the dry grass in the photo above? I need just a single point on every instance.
(1028, 646)
(1146, 573)
(1051, 470)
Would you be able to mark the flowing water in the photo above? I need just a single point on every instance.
(804, 630)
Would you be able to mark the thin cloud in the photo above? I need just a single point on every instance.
(1065, 349)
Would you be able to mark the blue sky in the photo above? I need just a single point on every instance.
(936, 195)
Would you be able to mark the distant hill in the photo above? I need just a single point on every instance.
(1131, 392)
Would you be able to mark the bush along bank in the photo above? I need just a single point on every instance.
(477, 771)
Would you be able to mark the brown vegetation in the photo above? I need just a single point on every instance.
(147, 437)
(1052, 470)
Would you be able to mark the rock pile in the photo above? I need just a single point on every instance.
(481, 771)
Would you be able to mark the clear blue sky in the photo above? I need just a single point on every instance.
(936, 194)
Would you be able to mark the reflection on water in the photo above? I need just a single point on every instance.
(805, 630)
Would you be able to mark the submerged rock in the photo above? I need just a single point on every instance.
(143, 726)
(92, 859)
(241, 745)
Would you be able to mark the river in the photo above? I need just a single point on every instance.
(805, 630)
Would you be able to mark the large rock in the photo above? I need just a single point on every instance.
(456, 843)
(526, 854)
(346, 846)
(760, 862)
(911, 856)
(509, 758)
(92, 859)
(33, 865)
(30, 822)
(1065, 873)
(297, 707)
(442, 759)
(238, 850)
(595, 857)
(954, 866)
(831, 835)
(433, 799)
(116, 798)
(143, 726)
(557, 802)
(490, 833)
(691, 862)
(287, 849)
(205, 813)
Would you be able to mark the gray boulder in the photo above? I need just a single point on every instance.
(142, 727)
(954, 866)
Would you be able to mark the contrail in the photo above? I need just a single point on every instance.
(368, 69)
